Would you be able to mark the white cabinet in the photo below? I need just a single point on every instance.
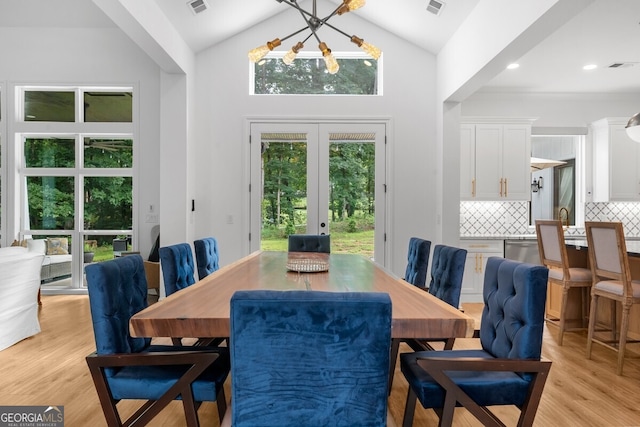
(478, 252)
(616, 175)
(495, 160)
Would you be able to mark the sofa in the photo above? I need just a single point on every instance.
(57, 260)
(19, 285)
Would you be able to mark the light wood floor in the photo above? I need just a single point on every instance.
(50, 369)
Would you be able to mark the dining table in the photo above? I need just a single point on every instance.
(203, 309)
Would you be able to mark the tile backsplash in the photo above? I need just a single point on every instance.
(512, 218)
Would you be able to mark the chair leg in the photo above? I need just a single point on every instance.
(448, 344)
(563, 313)
(393, 358)
(614, 319)
(221, 400)
(409, 408)
(624, 325)
(592, 324)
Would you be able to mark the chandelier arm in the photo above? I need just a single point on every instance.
(294, 33)
(294, 5)
(336, 29)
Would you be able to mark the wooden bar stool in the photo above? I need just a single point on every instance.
(611, 280)
(553, 254)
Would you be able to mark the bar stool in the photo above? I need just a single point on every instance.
(553, 255)
(611, 280)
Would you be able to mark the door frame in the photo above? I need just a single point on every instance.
(253, 218)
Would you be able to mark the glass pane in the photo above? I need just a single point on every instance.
(107, 203)
(108, 107)
(50, 202)
(102, 248)
(49, 153)
(108, 153)
(352, 194)
(284, 188)
(49, 106)
(357, 76)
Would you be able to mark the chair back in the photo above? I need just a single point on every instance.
(608, 253)
(117, 291)
(514, 302)
(551, 245)
(177, 267)
(417, 261)
(447, 269)
(310, 243)
(206, 256)
(309, 358)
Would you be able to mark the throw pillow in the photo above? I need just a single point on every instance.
(57, 246)
(37, 245)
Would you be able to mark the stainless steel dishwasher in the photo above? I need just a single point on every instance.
(524, 250)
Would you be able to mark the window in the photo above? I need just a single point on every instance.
(76, 172)
(307, 75)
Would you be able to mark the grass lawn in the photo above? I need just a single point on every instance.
(359, 242)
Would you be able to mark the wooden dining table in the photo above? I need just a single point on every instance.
(203, 309)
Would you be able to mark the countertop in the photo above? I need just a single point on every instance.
(633, 246)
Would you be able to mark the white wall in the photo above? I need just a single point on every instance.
(223, 104)
(85, 57)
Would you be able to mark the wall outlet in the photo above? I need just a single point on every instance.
(151, 218)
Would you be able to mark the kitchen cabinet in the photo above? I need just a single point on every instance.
(495, 159)
(478, 252)
(616, 175)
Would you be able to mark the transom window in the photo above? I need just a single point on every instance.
(359, 75)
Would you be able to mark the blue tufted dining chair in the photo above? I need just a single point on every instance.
(508, 370)
(323, 358)
(177, 270)
(417, 261)
(177, 267)
(310, 243)
(206, 256)
(124, 367)
(447, 269)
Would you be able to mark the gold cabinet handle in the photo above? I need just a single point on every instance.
(500, 187)
(480, 263)
(476, 263)
(473, 187)
(505, 187)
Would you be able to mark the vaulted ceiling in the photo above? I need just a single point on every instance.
(605, 33)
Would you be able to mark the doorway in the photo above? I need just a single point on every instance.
(319, 178)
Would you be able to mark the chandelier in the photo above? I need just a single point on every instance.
(313, 24)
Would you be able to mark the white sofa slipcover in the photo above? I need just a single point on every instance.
(19, 284)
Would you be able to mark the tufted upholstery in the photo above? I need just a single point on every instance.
(206, 256)
(177, 267)
(323, 358)
(117, 290)
(310, 243)
(511, 328)
(447, 268)
(417, 261)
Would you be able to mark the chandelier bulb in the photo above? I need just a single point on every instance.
(370, 49)
(291, 55)
(329, 60)
(349, 5)
(258, 53)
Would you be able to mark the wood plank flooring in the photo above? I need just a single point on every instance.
(50, 369)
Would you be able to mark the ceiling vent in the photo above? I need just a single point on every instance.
(622, 65)
(435, 7)
(197, 6)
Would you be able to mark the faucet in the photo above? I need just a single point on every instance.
(566, 217)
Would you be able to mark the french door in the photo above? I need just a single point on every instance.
(319, 178)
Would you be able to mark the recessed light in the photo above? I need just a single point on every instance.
(590, 67)
(512, 66)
